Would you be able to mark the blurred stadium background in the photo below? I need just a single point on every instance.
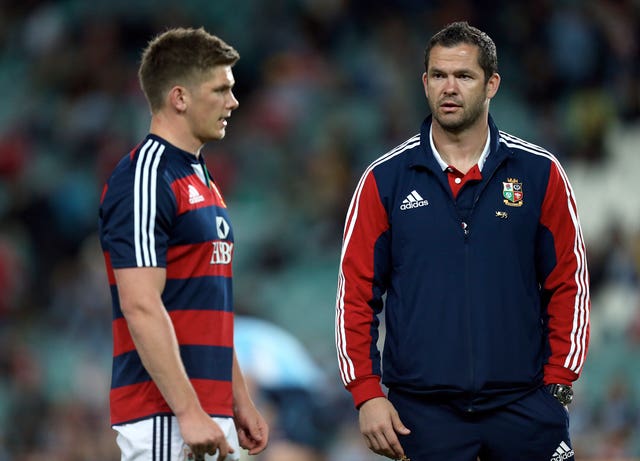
(325, 87)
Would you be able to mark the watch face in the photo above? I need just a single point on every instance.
(564, 394)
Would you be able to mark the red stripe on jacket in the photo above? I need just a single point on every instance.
(568, 282)
(366, 221)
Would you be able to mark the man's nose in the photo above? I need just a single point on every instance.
(232, 102)
(451, 85)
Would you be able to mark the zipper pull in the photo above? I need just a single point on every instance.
(465, 228)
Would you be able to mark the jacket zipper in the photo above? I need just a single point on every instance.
(467, 281)
(466, 231)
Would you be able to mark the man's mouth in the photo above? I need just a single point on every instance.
(449, 104)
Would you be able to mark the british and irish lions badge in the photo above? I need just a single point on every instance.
(512, 192)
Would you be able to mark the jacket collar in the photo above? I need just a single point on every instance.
(424, 157)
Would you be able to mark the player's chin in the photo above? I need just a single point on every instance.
(218, 134)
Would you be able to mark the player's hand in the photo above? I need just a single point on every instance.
(203, 435)
(253, 431)
(380, 426)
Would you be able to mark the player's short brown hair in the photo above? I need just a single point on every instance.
(180, 56)
(461, 32)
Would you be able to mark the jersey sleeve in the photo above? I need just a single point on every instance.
(137, 213)
(364, 268)
(566, 281)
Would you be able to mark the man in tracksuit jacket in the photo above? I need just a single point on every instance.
(473, 236)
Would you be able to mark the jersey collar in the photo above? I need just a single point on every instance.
(444, 165)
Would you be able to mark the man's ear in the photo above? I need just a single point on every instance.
(179, 98)
(492, 85)
(425, 78)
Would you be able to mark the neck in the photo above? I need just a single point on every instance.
(173, 131)
(460, 150)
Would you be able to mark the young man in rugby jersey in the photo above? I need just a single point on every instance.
(177, 391)
(473, 236)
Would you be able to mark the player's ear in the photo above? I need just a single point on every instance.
(178, 98)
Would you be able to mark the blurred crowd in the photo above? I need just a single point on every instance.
(325, 87)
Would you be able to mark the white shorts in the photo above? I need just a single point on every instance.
(158, 438)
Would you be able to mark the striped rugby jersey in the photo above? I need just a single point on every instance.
(158, 211)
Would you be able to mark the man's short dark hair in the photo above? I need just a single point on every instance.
(461, 32)
(180, 56)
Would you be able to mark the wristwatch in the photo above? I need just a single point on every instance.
(562, 392)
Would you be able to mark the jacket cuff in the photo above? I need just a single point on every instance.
(365, 389)
(554, 374)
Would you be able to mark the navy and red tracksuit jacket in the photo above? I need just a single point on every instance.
(486, 295)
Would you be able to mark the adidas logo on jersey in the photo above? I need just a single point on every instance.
(413, 200)
(194, 195)
(562, 453)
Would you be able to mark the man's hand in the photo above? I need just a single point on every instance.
(253, 431)
(203, 435)
(380, 424)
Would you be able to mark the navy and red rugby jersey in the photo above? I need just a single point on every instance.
(485, 294)
(160, 208)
